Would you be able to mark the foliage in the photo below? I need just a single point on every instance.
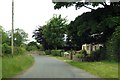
(78, 4)
(95, 55)
(5, 38)
(20, 36)
(96, 26)
(19, 45)
(23, 46)
(82, 55)
(31, 46)
(41, 47)
(41, 52)
(93, 27)
(113, 46)
(47, 52)
(78, 55)
(19, 50)
(39, 37)
(83, 52)
(54, 31)
(56, 52)
(6, 49)
(51, 35)
(99, 54)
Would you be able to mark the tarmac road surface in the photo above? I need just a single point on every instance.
(49, 67)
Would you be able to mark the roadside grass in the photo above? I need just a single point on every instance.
(11, 66)
(0, 67)
(103, 69)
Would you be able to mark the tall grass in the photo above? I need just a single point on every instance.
(14, 65)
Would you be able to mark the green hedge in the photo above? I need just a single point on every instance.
(78, 55)
(47, 52)
(19, 50)
(6, 50)
(113, 46)
(56, 52)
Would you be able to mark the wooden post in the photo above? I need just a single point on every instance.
(12, 37)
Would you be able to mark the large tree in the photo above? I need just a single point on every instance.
(52, 34)
(78, 5)
(98, 26)
(94, 26)
(39, 37)
(5, 37)
(54, 31)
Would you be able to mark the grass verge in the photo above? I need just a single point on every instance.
(11, 66)
(102, 69)
(0, 67)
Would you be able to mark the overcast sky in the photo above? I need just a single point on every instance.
(31, 13)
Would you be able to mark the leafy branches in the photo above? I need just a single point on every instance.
(52, 34)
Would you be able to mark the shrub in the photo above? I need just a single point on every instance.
(62, 53)
(113, 46)
(81, 55)
(83, 52)
(78, 55)
(47, 52)
(19, 50)
(56, 52)
(31, 48)
(6, 49)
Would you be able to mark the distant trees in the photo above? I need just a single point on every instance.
(20, 37)
(31, 46)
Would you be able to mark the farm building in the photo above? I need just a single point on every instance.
(91, 47)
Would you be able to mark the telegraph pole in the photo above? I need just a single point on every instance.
(12, 37)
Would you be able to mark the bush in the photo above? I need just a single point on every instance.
(19, 50)
(78, 55)
(83, 52)
(98, 54)
(6, 49)
(62, 53)
(31, 48)
(81, 55)
(47, 52)
(113, 46)
(56, 52)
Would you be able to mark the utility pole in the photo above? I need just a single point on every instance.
(12, 37)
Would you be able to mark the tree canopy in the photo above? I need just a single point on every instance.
(78, 5)
(52, 34)
(98, 26)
